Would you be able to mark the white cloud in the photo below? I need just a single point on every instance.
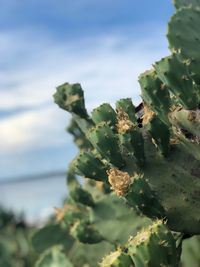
(107, 68)
(40, 128)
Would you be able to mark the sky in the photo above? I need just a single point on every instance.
(104, 45)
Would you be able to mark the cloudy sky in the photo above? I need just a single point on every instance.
(104, 45)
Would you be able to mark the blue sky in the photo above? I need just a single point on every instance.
(104, 45)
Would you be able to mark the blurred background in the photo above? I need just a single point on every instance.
(104, 45)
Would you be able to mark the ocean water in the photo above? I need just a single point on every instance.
(35, 198)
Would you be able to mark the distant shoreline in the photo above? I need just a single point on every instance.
(32, 177)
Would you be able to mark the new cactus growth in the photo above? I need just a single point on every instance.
(148, 155)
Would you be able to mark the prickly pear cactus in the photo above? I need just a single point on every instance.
(138, 161)
(151, 157)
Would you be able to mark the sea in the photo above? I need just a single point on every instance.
(34, 198)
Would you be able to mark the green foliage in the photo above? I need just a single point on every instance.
(15, 247)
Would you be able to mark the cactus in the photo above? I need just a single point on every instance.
(168, 171)
(138, 161)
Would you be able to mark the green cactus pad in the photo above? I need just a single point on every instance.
(184, 38)
(70, 97)
(130, 137)
(185, 3)
(160, 133)
(181, 84)
(86, 233)
(111, 217)
(125, 143)
(107, 143)
(88, 165)
(82, 196)
(137, 142)
(190, 252)
(192, 148)
(154, 247)
(79, 137)
(136, 191)
(104, 113)
(141, 196)
(117, 259)
(50, 235)
(175, 181)
(71, 214)
(188, 120)
(53, 257)
(155, 94)
(127, 106)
